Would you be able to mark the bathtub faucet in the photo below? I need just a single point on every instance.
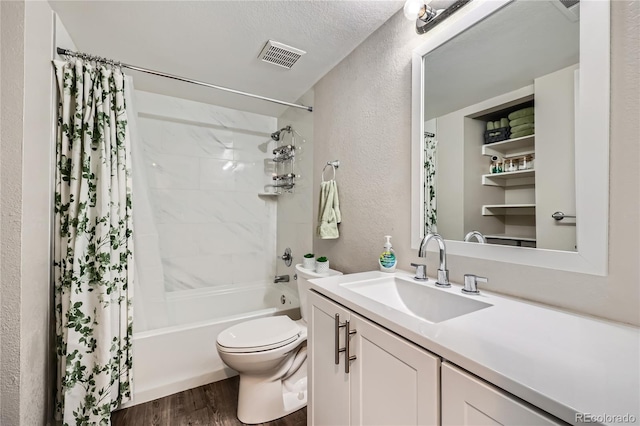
(281, 279)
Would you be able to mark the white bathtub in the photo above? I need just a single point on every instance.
(184, 356)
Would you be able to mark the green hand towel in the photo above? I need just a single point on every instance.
(521, 134)
(522, 127)
(329, 211)
(504, 122)
(490, 125)
(496, 124)
(521, 113)
(523, 120)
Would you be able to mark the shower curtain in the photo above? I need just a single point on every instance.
(430, 169)
(93, 244)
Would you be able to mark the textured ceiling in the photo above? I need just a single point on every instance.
(506, 51)
(218, 42)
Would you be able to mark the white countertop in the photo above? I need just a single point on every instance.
(561, 362)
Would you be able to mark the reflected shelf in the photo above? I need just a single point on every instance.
(511, 147)
(517, 178)
(509, 209)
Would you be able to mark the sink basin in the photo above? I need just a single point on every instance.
(417, 299)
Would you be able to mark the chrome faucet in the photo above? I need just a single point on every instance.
(477, 235)
(443, 272)
(281, 279)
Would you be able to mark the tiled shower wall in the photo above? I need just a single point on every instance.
(205, 166)
(295, 220)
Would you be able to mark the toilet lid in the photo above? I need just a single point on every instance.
(259, 335)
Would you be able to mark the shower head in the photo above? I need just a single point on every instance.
(276, 135)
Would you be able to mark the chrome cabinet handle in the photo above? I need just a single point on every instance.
(336, 334)
(348, 357)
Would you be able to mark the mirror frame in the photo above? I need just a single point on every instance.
(591, 145)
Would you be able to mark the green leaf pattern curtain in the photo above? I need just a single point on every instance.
(430, 168)
(92, 244)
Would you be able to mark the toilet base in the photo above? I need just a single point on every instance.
(262, 399)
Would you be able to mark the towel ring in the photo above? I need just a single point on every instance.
(334, 165)
(334, 171)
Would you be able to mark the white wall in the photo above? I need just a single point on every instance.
(295, 222)
(362, 117)
(205, 170)
(27, 146)
(11, 106)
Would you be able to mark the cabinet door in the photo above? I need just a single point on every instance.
(393, 382)
(467, 400)
(328, 384)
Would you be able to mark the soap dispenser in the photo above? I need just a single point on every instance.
(388, 259)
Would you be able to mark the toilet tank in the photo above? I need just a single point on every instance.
(304, 275)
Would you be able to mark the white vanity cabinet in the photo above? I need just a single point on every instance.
(467, 400)
(423, 355)
(390, 380)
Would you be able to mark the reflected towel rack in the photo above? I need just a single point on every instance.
(334, 165)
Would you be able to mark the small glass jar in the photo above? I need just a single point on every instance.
(522, 163)
(510, 165)
(530, 162)
(496, 167)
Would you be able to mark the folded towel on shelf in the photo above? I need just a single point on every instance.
(504, 122)
(522, 127)
(490, 125)
(521, 134)
(329, 211)
(523, 120)
(521, 113)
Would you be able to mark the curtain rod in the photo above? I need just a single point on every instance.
(66, 52)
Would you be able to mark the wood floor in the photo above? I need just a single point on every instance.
(213, 404)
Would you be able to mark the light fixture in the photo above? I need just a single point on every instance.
(419, 9)
(426, 16)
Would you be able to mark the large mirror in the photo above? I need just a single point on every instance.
(510, 133)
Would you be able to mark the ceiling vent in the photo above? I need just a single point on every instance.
(280, 54)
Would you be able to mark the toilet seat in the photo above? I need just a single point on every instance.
(258, 335)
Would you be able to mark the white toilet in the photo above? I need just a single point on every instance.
(270, 356)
